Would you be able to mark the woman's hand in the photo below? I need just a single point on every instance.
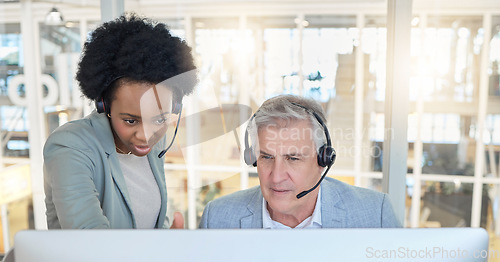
(178, 222)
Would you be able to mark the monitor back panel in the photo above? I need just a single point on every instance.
(445, 244)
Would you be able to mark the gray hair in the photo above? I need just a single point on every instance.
(283, 109)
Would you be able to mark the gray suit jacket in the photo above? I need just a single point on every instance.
(84, 184)
(342, 206)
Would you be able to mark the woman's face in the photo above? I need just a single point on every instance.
(140, 116)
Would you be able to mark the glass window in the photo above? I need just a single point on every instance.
(491, 135)
(328, 70)
(447, 204)
(15, 183)
(13, 118)
(279, 50)
(450, 50)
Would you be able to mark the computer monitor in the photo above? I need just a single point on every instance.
(444, 244)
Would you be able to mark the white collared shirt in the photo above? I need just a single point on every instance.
(313, 221)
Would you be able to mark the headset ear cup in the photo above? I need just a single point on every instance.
(100, 105)
(332, 155)
(326, 156)
(249, 157)
(321, 156)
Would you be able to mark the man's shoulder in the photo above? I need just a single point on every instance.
(352, 193)
(361, 207)
(237, 210)
(239, 199)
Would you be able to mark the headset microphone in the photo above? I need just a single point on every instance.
(177, 108)
(303, 193)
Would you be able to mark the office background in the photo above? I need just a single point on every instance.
(248, 51)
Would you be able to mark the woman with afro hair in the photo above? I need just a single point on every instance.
(106, 170)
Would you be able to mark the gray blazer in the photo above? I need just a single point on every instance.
(84, 184)
(342, 206)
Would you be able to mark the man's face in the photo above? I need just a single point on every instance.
(287, 165)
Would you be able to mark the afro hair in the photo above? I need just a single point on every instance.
(136, 49)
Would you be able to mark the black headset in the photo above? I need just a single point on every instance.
(102, 106)
(326, 153)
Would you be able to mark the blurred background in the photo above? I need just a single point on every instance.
(248, 51)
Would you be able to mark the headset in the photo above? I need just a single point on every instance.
(326, 153)
(102, 106)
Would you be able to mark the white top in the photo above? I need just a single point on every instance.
(142, 188)
(313, 221)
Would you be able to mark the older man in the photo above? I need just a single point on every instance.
(291, 149)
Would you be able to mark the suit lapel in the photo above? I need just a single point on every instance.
(103, 132)
(254, 217)
(333, 212)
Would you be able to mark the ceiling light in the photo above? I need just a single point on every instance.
(54, 17)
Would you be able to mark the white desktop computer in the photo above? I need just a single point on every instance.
(443, 244)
